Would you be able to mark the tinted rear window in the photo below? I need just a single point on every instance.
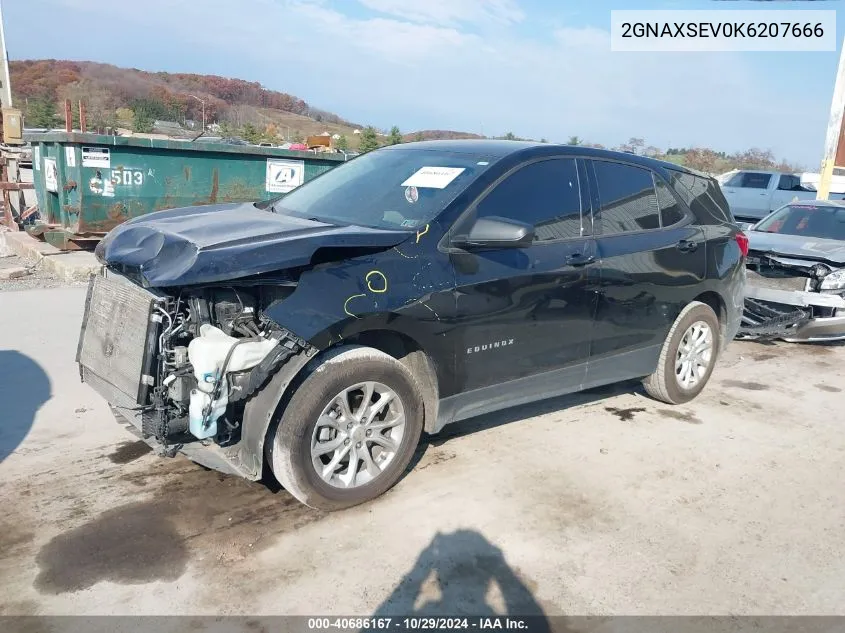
(671, 212)
(627, 196)
(703, 196)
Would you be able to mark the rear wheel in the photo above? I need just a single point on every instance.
(687, 357)
(349, 430)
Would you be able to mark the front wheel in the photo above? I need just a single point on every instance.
(688, 356)
(349, 431)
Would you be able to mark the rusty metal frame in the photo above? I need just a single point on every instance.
(6, 186)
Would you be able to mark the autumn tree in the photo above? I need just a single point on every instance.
(369, 139)
(633, 145)
(98, 102)
(753, 158)
(271, 133)
(700, 158)
(636, 144)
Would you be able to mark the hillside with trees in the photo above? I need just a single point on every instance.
(134, 99)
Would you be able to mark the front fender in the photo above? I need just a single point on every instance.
(260, 410)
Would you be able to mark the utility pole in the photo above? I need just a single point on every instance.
(5, 83)
(203, 110)
(834, 129)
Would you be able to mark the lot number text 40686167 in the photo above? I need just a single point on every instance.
(418, 623)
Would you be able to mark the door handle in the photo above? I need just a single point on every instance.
(579, 259)
(687, 246)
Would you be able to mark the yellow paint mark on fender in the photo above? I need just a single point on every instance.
(421, 233)
(376, 273)
(346, 303)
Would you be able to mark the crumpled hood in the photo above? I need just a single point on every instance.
(212, 243)
(831, 251)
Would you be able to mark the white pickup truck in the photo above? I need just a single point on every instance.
(753, 194)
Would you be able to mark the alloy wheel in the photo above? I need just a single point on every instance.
(694, 355)
(358, 435)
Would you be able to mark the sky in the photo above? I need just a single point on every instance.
(537, 68)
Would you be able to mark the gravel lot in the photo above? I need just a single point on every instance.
(38, 277)
(601, 503)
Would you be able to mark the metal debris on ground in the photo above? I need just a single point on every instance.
(762, 320)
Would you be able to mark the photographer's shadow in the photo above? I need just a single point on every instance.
(24, 389)
(462, 574)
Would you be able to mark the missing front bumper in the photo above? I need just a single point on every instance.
(206, 454)
(792, 315)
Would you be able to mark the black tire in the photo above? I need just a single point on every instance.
(663, 384)
(290, 457)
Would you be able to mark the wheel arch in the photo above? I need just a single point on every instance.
(410, 353)
(720, 307)
(262, 410)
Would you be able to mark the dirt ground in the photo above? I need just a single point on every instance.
(601, 503)
(37, 278)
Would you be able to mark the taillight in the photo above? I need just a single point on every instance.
(742, 242)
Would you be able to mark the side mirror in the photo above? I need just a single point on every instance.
(496, 232)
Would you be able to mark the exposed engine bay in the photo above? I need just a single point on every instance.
(204, 352)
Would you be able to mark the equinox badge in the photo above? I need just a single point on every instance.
(486, 346)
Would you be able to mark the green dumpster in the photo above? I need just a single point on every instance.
(86, 184)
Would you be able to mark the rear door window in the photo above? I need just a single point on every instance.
(627, 198)
(703, 196)
(671, 212)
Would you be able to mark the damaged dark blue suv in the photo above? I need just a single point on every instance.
(417, 285)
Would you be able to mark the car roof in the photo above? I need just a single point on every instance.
(496, 148)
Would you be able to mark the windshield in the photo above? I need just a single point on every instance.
(389, 189)
(807, 220)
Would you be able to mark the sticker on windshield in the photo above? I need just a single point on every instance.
(433, 177)
(411, 194)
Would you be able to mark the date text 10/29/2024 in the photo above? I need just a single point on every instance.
(419, 624)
